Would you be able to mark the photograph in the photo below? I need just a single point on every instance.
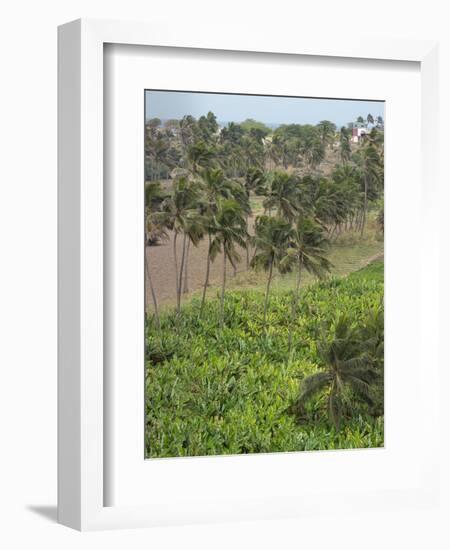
(264, 273)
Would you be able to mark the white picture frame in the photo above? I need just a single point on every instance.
(82, 484)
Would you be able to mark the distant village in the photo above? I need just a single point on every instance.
(363, 126)
(358, 129)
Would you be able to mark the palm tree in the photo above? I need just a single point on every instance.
(282, 194)
(271, 240)
(274, 153)
(214, 186)
(154, 197)
(372, 336)
(187, 130)
(160, 155)
(154, 232)
(313, 150)
(208, 127)
(228, 227)
(253, 150)
(380, 218)
(368, 160)
(376, 138)
(178, 213)
(193, 229)
(370, 119)
(241, 196)
(346, 372)
(327, 131)
(344, 145)
(332, 203)
(306, 251)
(347, 196)
(255, 180)
(200, 155)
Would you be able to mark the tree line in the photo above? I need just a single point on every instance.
(215, 171)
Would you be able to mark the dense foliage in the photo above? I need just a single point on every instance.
(262, 370)
(236, 389)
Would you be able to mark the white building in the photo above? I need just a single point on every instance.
(358, 129)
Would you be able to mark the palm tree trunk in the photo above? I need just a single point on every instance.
(363, 222)
(175, 260)
(180, 280)
(295, 303)
(208, 265)
(333, 231)
(186, 280)
(246, 243)
(297, 286)
(224, 279)
(152, 291)
(266, 301)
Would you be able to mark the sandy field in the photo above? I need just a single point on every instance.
(160, 260)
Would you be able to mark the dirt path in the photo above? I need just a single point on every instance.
(379, 256)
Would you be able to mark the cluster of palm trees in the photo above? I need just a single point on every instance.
(351, 368)
(378, 122)
(214, 173)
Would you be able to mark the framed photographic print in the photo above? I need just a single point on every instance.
(240, 331)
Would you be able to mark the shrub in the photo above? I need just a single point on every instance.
(231, 391)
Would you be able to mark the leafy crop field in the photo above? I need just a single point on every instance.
(232, 390)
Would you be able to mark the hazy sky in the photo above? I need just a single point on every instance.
(268, 109)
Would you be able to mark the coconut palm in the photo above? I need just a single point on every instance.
(157, 148)
(154, 197)
(346, 372)
(154, 232)
(369, 162)
(179, 214)
(274, 152)
(252, 147)
(255, 180)
(344, 145)
(380, 219)
(214, 186)
(376, 138)
(271, 240)
(188, 130)
(372, 337)
(228, 227)
(208, 127)
(312, 150)
(193, 230)
(306, 251)
(200, 155)
(241, 196)
(347, 196)
(161, 155)
(332, 203)
(282, 194)
(327, 131)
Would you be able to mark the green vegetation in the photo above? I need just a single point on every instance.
(288, 355)
(236, 390)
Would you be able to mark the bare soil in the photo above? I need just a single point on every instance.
(162, 269)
